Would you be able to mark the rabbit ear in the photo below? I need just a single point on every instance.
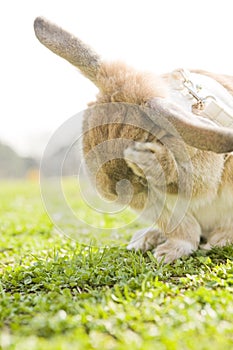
(195, 131)
(68, 47)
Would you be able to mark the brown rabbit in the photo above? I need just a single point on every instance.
(133, 131)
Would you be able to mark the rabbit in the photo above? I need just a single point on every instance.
(166, 152)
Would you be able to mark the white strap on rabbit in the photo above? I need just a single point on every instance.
(203, 96)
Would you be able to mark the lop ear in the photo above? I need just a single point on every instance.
(194, 130)
(68, 47)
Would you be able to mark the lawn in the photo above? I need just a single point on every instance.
(58, 294)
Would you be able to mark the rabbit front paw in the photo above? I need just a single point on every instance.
(146, 240)
(173, 249)
(142, 158)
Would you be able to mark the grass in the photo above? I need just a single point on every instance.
(58, 294)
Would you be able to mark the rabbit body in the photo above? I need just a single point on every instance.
(209, 213)
(133, 134)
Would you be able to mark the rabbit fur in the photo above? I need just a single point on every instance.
(211, 207)
(145, 158)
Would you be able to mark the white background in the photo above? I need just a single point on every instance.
(39, 90)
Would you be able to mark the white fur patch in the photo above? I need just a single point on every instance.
(146, 240)
(173, 249)
(218, 213)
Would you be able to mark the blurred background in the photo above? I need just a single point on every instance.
(40, 91)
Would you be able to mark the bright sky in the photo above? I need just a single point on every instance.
(39, 90)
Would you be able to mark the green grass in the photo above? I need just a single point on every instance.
(57, 294)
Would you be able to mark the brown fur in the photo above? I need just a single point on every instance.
(120, 83)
